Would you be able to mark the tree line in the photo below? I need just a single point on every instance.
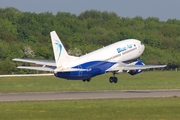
(26, 35)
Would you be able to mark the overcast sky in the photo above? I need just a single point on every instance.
(162, 9)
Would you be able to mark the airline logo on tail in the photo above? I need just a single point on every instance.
(59, 48)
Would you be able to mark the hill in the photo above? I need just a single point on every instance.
(26, 35)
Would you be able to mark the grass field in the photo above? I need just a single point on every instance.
(145, 80)
(107, 109)
(110, 109)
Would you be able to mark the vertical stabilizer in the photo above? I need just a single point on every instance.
(60, 54)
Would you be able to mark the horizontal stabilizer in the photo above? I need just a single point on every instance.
(37, 68)
(40, 62)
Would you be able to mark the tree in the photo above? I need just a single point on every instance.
(28, 52)
(25, 34)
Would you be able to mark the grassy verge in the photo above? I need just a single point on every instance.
(110, 109)
(145, 80)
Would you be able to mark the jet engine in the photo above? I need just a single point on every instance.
(134, 72)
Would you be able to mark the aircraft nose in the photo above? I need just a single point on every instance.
(142, 47)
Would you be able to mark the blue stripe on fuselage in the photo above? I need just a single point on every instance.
(94, 68)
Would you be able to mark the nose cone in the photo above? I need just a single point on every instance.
(142, 47)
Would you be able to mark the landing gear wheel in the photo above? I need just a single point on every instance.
(115, 80)
(86, 80)
(111, 80)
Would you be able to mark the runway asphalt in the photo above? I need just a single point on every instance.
(41, 96)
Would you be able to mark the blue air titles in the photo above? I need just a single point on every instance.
(121, 49)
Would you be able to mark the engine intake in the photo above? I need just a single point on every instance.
(135, 72)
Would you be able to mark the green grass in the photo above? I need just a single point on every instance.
(145, 80)
(110, 109)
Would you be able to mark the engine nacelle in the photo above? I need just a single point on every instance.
(135, 72)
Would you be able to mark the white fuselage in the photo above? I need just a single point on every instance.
(118, 52)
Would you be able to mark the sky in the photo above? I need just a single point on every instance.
(162, 9)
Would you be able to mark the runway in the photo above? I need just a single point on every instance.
(41, 96)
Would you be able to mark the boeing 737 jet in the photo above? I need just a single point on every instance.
(122, 56)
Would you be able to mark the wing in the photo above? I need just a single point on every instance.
(123, 67)
(142, 67)
(52, 69)
(40, 62)
(37, 68)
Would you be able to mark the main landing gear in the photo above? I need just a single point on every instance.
(88, 80)
(113, 78)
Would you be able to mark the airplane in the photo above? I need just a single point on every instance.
(122, 56)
